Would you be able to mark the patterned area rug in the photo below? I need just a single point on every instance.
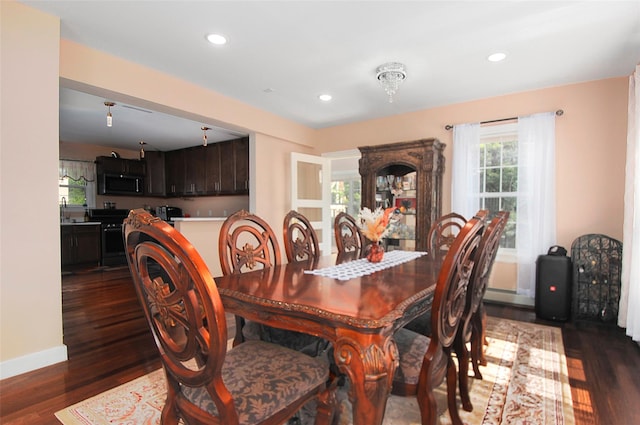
(525, 381)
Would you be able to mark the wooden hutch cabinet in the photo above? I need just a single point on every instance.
(407, 175)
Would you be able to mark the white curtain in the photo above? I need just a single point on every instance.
(465, 179)
(629, 311)
(536, 208)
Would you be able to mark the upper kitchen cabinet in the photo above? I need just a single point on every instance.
(109, 164)
(154, 173)
(217, 169)
(195, 170)
(234, 167)
(408, 176)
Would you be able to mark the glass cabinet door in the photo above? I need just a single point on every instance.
(396, 187)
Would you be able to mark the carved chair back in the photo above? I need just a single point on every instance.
(443, 232)
(349, 238)
(247, 243)
(425, 361)
(300, 239)
(206, 383)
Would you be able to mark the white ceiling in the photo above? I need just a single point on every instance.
(282, 54)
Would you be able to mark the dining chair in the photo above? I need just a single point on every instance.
(349, 238)
(247, 243)
(474, 328)
(443, 232)
(424, 362)
(300, 239)
(253, 383)
(441, 235)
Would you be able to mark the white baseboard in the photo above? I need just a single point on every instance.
(33, 361)
(508, 297)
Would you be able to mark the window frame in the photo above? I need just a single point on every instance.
(487, 134)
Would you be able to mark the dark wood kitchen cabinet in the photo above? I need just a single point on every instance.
(220, 168)
(154, 177)
(212, 174)
(80, 244)
(109, 164)
(175, 172)
(407, 175)
(195, 170)
(234, 167)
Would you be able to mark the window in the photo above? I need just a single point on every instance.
(76, 183)
(345, 196)
(498, 175)
(72, 192)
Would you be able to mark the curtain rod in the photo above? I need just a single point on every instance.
(559, 113)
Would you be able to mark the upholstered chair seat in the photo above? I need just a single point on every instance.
(263, 379)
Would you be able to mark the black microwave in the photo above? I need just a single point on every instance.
(120, 184)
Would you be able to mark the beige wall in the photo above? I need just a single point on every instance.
(591, 139)
(30, 292)
(590, 146)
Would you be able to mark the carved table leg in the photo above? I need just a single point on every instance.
(370, 362)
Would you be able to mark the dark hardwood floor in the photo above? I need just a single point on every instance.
(109, 343)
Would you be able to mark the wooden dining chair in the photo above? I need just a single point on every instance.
(443, 232)
(349, 238)
(300, 239)
(254, 383)
(247, 243)
(474, 328)
(441, 235)
(424, 361)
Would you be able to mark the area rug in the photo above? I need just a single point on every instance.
(525, 382)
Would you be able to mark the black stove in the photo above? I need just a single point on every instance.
(113, 252)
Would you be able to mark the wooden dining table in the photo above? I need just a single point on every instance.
(358, 315)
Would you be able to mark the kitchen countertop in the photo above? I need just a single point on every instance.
(199, 218)
(80, 223)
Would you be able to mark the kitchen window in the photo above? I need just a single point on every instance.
(76, 183)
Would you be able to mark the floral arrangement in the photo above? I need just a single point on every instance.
(375, 224)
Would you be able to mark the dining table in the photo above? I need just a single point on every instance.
(353, 303)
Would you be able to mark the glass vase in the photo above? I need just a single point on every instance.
(376, 252)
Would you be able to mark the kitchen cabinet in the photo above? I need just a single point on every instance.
(234, 167)
(109, 164)
(212, 175)
(80, 244)
(195, 170)
(408, 176)
(154, 173)
(217, 169)
(175, 172)
(241, 160)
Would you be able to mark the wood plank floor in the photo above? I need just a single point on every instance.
(109, 343)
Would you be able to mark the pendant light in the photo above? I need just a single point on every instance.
(142, 143)
(204, 135)
(109, 116)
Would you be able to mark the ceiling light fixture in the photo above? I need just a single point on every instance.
(142, 143)
(497, 57)
(109, 116)
(204, 135)
(325, 97)
(216, 39)
(390, 75)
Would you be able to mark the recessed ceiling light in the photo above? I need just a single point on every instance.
(216, 39)
(325, 97)
(497, 57)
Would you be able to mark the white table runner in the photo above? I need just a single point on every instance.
(362, 267)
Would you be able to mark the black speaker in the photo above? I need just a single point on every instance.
(553, 287)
